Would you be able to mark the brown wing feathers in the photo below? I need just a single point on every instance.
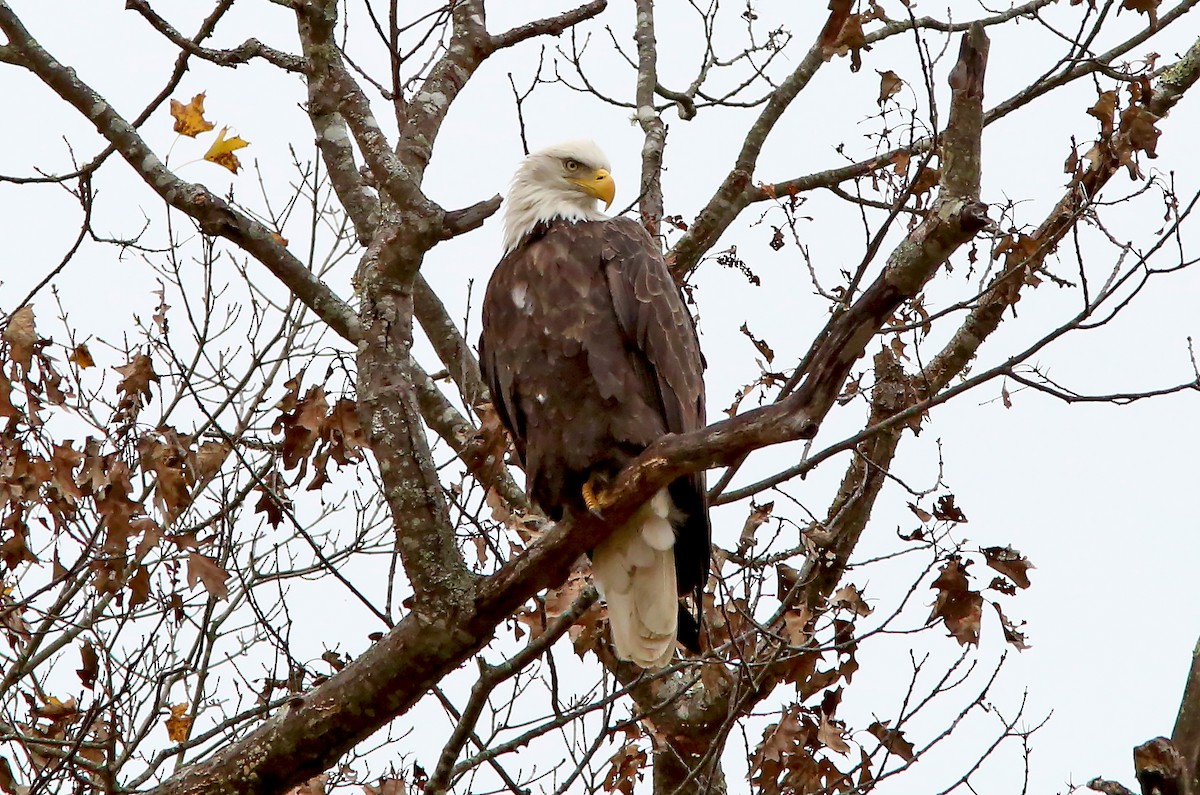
(591, 356)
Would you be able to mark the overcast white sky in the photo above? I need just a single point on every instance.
(1101, 499)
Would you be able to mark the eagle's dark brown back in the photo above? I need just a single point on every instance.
(591, 355)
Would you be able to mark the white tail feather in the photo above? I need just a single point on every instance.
(634, 570)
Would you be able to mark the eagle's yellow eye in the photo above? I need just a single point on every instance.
(571, 165)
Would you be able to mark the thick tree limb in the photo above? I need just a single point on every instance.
(1186, 734)
(650, 197)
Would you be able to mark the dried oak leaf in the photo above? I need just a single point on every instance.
(179, 723)
(843, 33)
(960, 608)
(926, 181)
(138, 375)
(947, 511)
(342, 431)
(206, 570)
(796, 625)
(1104, 110)
(386, 786)
(21, 337)
(1139, 131)
(1009, 562)
(89, 667)
(139, 587)
(625, 769)
(761, 346)
(210, 457)
(1011, 634)
(189, 118)
(920, 513)
(889, 85)
(1147, 7)
(758, 515)
(8, 782)
(57, 711)
(830, 735)
(892, 739)
(849, 597)
(7, 409)
(82, 357)
(222, 151)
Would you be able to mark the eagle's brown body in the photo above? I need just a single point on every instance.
(591, 356)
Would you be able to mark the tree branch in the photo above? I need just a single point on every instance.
(243, 53)
(213, 214)
(550, 26)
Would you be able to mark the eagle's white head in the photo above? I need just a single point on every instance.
(562, 181)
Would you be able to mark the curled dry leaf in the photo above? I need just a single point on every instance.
(89, 667)
(758, 515)
(20, 335)
(761, 346)
(178, 723)
(1012, 634)
(82, 357)
(892, 739)
(947, 511)
(920, 513)
(222, 151)
(314, 786)
(1104, 110)
(889, 85)
(849, 597)
(1009, 562)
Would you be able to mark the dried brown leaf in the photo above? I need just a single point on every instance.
(89, 667)
(959, 607)
(21, 337)
(893, 740)
(206, 570)
(889, 85)
(1009, 562)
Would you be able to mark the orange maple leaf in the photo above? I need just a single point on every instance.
(189, 118)
(222, 151)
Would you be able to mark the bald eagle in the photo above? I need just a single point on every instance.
(591, 356)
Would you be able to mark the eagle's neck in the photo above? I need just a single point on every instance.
(530, 204)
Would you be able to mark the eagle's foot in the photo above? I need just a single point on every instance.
(593, 495)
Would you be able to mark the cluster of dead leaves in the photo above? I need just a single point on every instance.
(791, 756)
(627, 766)
(53, 724)
(190, 121)
(843, 33)
(313, 431)
(1124, 133)
(959, 606)
(585, 632)
(55, 484)
(790, 759)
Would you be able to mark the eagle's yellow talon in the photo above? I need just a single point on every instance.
(590, 499)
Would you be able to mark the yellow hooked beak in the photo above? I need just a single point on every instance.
(599, 184)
